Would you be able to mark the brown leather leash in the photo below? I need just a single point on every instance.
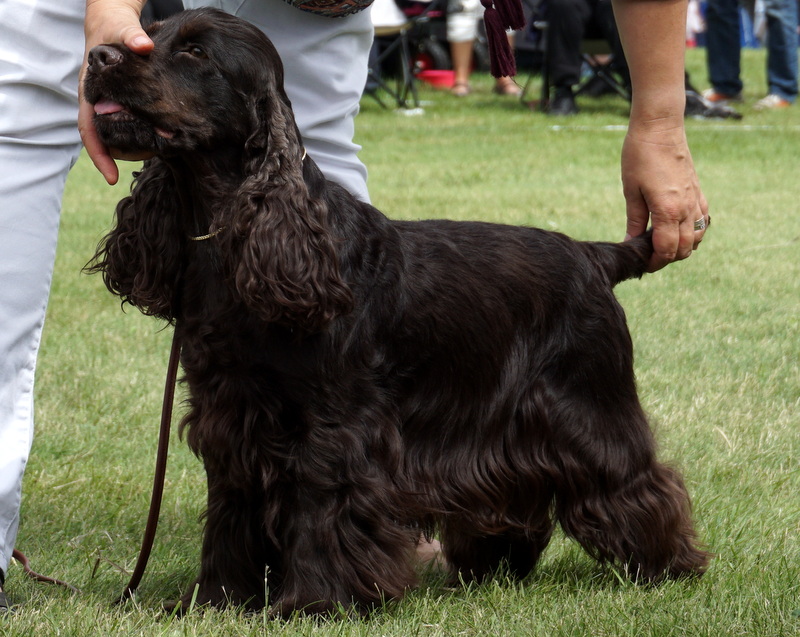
(26, 566)
(160, 470)
(158, 487)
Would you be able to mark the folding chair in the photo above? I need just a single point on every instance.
(599, 59)
(393, 29)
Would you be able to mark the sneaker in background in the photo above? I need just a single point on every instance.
(712, 96)
(771, 102)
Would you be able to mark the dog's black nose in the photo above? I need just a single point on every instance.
(103, 56)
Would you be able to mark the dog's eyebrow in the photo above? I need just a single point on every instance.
(195, 31)
(190, 37)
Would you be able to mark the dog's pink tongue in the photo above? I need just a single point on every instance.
(106, 107)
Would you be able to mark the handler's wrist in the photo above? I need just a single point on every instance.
(660, 125)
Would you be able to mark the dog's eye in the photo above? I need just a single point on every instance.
(195, 51)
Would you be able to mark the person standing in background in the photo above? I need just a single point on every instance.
(463, 17)
(723, 53)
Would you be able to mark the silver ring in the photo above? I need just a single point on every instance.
(700, 224)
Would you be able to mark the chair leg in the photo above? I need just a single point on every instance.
(409, 81)
(603, 71)
(374, 95)
(404, 85)
(544, 99)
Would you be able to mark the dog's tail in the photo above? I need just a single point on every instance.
(622, 261)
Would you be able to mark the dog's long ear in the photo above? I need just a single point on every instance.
(140, 258)
(285, 264)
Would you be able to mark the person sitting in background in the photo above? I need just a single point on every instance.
(568, 23)
(723, 53)
(463, 17)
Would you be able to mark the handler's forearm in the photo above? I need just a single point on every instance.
(653, 34)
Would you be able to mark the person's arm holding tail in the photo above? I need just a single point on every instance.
(658, 177)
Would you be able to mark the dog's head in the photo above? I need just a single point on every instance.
(200, 88)
(209, 104)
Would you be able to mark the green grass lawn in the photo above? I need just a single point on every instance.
(717, 344)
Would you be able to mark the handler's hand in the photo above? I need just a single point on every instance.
(107, 22)
(660, 184)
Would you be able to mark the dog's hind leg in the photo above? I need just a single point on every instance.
(611, 493)
(476, 557)
(616, 499)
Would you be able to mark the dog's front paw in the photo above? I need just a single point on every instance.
(201, 596)
(285, 608)
(174, 607)
(193, 600)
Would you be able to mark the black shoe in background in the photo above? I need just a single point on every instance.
(563, 103)
(596, 87)
(4, 605)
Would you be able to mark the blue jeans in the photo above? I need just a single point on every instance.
(723, 48)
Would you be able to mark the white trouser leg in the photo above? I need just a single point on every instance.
(325, 60)
(41, 46)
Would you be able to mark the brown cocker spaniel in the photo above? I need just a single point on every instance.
(356, 382)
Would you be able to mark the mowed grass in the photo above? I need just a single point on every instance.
(717, 351)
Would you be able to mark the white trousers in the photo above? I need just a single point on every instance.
(325, 61)
(462, 20)
(41, 47)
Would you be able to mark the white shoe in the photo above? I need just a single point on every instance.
(771, 102)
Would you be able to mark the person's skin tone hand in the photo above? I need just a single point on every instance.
(107, 22)
(658, 176)
(659, 182)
